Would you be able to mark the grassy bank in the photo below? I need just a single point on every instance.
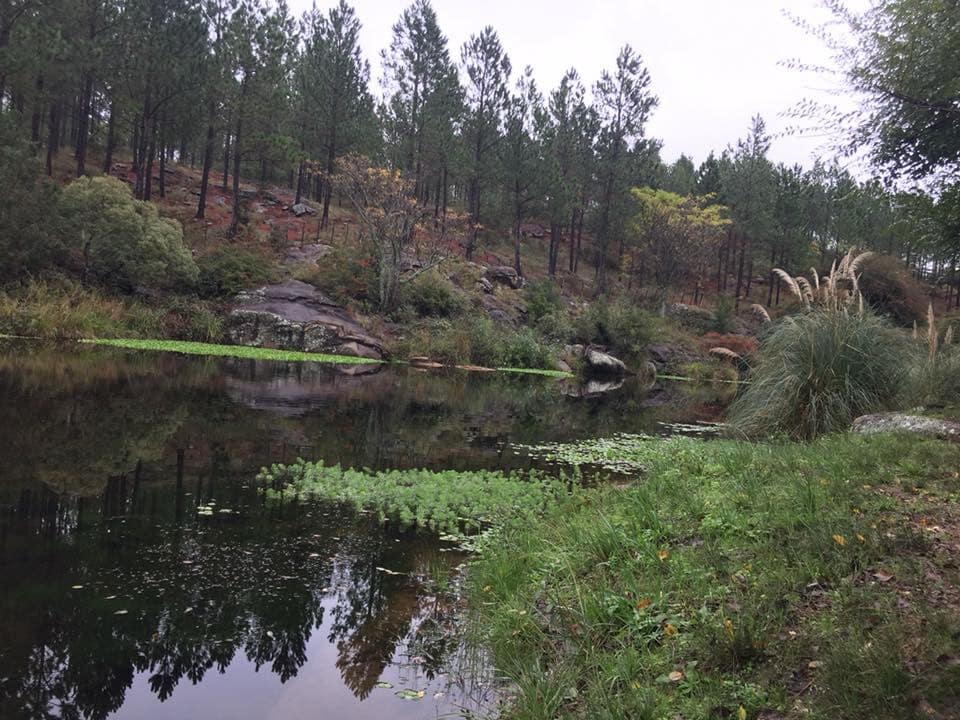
(737, 580)
(63, 309)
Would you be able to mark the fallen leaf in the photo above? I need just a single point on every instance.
(663, 555)
(669, 630)
(840, 540)
(384, 684)
(644, 603)
(741, 713)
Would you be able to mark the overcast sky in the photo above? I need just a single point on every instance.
(714, 63)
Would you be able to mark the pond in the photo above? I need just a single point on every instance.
(145, 576)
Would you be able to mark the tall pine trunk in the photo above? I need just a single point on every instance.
(83, 124)
(226, 162)
(111, 137)
(237, 157)
(207, 163)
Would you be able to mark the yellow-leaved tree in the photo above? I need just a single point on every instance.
(673, 235)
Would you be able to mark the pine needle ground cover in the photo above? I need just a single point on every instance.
(735, 580)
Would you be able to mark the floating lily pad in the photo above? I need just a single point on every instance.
(408, 694)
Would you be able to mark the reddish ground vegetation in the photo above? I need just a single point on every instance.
(743, 345)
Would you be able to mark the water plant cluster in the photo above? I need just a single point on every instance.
(736, 580)
(622, 453)
(448, 501)
(239, 351)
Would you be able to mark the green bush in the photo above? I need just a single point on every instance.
(122, 241)
(523, 349)
(432, 295)
(543, 298)
(344, 276)
(623, 328)
(555, 327)
(821, 369)
(227, 271)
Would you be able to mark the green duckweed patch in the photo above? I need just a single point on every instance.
(735, 580)
(624, 453)
(449, 502)
(239, 351)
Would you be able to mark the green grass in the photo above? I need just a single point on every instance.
(448, 501)
(734, 580)
(240, 351)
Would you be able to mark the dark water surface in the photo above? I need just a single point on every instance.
(119, 599)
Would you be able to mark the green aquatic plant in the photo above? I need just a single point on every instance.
(239, 351)
(449, 501)
(623, 453)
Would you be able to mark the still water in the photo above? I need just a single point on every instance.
(118, 599)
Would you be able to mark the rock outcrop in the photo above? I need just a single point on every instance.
(505, 275)
(601, 363)
(902, 422)
(296, 316)
(307, 253)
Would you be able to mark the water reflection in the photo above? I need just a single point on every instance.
(120, 599)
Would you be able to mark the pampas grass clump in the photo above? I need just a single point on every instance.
(821, 369)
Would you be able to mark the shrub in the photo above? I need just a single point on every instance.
(724, 315)
(227, 270)
(124, 242)
(344, 276)
(543, 298)
(522, 349)
(819, 370)
(623, 328)
(889, 289)
(555, 327)
(432, 295)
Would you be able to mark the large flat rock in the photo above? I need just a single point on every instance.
(295, 315)
(902, 422)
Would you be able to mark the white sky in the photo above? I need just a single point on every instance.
(714, 63)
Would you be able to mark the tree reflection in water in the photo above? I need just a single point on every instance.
(107, 455)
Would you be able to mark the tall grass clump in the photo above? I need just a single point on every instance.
(821, 369)
(64, 309)
(935, 374)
